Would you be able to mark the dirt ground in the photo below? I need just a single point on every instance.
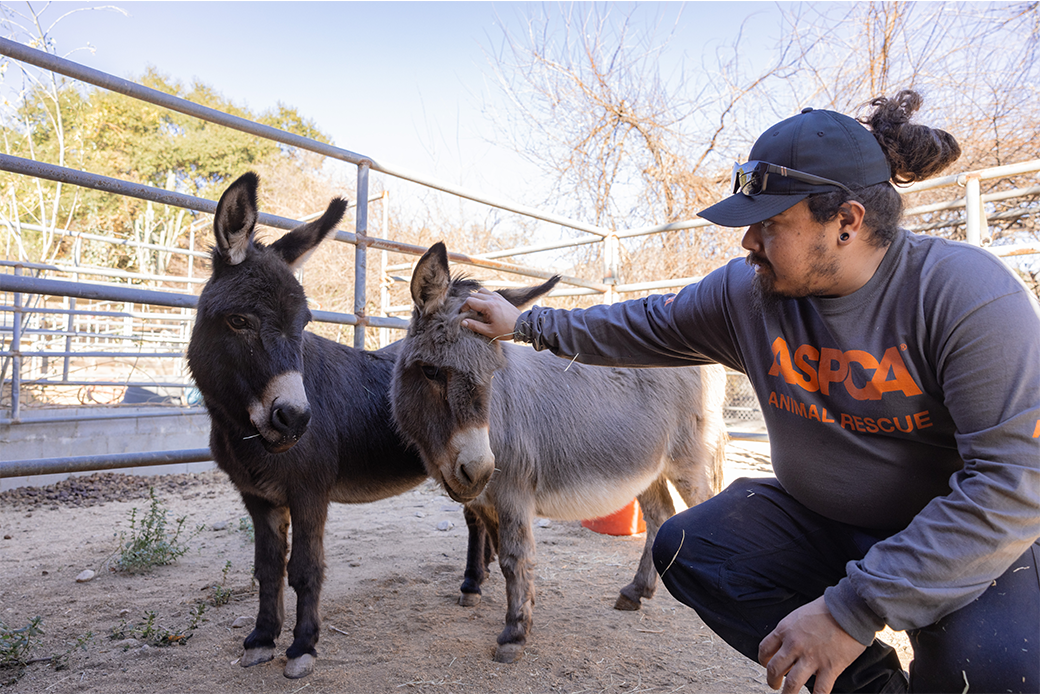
(391, 621)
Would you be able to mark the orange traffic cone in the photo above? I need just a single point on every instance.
(626, 521)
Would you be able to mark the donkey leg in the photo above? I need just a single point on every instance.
(478, 555)
(657, 507)
(270, 527)
(516, 557)
(696, 466)
(306, 575)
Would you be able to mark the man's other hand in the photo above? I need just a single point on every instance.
(808, 642)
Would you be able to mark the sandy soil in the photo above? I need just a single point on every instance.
(391, 622)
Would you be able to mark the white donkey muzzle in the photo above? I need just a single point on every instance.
(282, 412)
(474, 462)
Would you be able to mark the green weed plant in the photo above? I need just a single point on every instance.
(150, 543)
(222, 593)
(245, 525)
(16, 646)
(151, 631)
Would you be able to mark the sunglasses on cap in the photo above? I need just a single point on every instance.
(752, 178)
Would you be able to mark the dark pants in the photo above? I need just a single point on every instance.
(750, 555)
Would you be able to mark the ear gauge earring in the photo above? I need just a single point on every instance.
(844, 236)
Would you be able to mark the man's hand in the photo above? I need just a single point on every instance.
(497, 315)
(808, 642)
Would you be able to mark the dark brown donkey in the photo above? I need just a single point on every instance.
(297, 420)
(515, 433)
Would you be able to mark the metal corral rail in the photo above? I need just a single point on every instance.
(176, 308)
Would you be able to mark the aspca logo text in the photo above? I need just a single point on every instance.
(815, 369)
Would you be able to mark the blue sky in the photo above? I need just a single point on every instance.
(401, 82)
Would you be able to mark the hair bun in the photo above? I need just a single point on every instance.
(914, 152)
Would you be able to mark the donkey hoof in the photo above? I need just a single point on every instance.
(469, 599)
(624, 603)
(256, 655)
(509, 652)
(299, 667)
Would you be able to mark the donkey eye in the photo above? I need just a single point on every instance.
(432, 373)
(238, 322)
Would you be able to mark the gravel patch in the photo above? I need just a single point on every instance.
(98, 488)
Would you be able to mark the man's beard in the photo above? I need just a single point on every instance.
(766, 299)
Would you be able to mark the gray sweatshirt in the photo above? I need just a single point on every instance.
(910, 406)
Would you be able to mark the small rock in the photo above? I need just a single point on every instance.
(85, 576)
(242, 621)
(418, 514)
(7, 536)
(543, 523)
(129, 643)
(445, 526)
(125, 612)
(218, 526)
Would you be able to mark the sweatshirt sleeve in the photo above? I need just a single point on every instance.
(956, 547)
(669, 330)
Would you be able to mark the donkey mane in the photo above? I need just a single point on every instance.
(461, 285)
(459, 288)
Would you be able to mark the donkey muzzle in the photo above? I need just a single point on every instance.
(473, 464)
(282, 413)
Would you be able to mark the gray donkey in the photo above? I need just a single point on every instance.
(513, 433)
(297, 420)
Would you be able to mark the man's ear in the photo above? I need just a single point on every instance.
(851, 214)
(850, 221)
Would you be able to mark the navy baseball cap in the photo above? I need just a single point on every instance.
(815, 151)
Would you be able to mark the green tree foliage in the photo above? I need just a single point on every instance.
(47, 118)
(110, 134)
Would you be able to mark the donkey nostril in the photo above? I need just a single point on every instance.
(469, 473)
(464, 475)
(290, 421)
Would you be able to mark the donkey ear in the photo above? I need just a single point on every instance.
(525, 295)
(235, 219)
(296, 246)
(430, 279)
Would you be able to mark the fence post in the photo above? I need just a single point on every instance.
(191, 258)
(70, 302)
(16, 357)
(974, 213)
(361, 256)
(188, 314)
(385, 283)
(611, 249)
